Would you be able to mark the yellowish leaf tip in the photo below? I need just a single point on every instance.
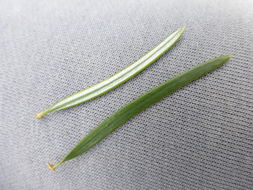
(38, 116)
(51, 167)
(229, 56)
(182, 29)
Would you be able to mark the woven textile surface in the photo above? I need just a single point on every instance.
(201, 137)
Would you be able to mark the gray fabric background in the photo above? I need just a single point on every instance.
(199, 138)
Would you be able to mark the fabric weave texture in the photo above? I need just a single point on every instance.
(201, 137)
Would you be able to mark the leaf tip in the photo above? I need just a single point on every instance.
(182, 29)
(38, 115)
(228, 57)
(51, 167)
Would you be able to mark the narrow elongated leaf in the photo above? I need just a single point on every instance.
(117, 79)
(140, 104)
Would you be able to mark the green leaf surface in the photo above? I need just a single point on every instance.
(140, 104)
(117, 79)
